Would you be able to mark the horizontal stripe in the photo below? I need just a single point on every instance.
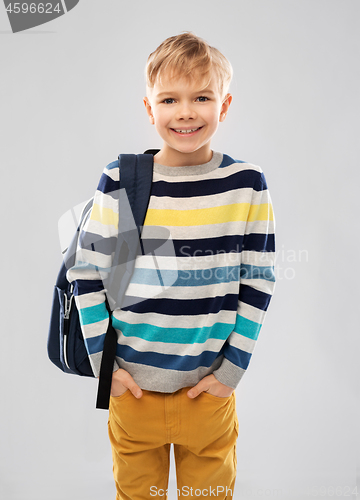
(241, 342)
(95, 344)
(259, 242)
(189, 307)
(199, 217)
(237, 356)
(165, 321)
(207, 187)
(195, 349)
(257, 272)
(247, 328)
(255, 298)
(82, 287)
(209, 201)
(263, 211)
(93, 314)
(198, 277)
(104, 215)
(173, 335)
(167, 361)
(107, 184)
(207, 246)
(206, 216)
(93, 330)
(143, 292)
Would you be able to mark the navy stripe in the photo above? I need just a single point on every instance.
(193, 248)
(107, 184)
(259, 242)
(184, 307)
(243, 179)
(81, 287)
(253, 297)
(167, 361)
(208, 246)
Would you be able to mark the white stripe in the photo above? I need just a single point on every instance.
(240, 342)
(182, 292)
(241, 195)
(218, 173)
(250, 312)
(171, 348)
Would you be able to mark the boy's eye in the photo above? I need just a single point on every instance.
(166, 101)
(203, 97)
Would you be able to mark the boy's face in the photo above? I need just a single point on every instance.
(186, 116)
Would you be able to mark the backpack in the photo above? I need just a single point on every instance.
(65, 345)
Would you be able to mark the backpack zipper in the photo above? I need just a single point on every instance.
(67, 311)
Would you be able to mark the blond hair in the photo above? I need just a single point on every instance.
(186, 55)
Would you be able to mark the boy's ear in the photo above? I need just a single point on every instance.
(149, 110)
(225, 107)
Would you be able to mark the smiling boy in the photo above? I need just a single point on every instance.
(183, 349)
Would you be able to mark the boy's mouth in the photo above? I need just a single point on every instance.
(186, 131)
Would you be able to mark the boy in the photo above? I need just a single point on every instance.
(183, 349)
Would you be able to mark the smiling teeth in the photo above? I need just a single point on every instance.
(186, 131)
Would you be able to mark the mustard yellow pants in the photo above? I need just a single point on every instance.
(203, 430)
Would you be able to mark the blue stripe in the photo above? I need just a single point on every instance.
(257, 272)
(246, 327)
(167, 361)
(152, 333)
(248, 178)
(82, 287)
(107, 184)
(237, 356)
(197, 247)
(93, 314)
(259, 242)
(189, 307)
(95, 344)
(198, 277)
(254, 297)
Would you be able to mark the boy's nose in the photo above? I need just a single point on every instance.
(185, 112)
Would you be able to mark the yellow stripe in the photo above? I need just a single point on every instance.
(203, 216)
(264, 211)
(104, 215)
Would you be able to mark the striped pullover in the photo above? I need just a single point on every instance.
(194, 310)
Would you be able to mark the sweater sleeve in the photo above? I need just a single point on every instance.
(93, 262)
(257, 282)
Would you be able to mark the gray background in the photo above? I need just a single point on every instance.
(71, 101)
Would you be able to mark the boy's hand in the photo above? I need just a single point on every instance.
(121, 381)
(211, 385)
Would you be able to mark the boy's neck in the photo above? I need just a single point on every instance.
(173, 158)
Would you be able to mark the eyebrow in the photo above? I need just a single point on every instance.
(204, 91)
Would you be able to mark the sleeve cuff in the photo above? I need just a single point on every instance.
(228, 373)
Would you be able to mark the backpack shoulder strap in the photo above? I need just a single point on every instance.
(136, 172)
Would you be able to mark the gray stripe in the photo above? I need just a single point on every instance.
(151, 378)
